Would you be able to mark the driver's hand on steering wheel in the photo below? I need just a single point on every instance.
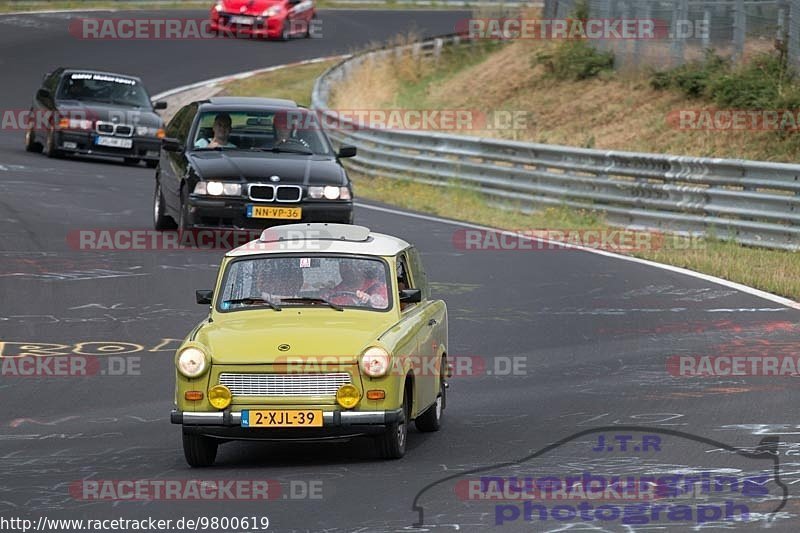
(362, 296)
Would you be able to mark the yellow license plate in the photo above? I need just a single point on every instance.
(263, 211)
(282, 418)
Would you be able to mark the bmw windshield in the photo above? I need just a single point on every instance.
(103, 88)
(294, 131)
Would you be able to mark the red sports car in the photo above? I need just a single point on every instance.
(274, 19)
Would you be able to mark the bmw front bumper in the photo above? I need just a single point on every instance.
(205, 212)
(83, 143)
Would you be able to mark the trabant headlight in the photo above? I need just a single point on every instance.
(192, 362)
(220, 396)
(375, 361)
(348, 396)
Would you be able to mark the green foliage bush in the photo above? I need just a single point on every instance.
(575, 59)
(766, 82)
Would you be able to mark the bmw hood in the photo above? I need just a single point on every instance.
(261, 166)
(109, 113)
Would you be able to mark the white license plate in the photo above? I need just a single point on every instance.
(114, 142)
(242, 20)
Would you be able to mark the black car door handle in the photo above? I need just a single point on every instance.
(432, 322)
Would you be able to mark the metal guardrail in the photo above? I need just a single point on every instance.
(751, 202)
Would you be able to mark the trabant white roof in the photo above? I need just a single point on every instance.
(321, 238)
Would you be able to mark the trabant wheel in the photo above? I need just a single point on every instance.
(392, 444)
(199, 451)
(431, 420)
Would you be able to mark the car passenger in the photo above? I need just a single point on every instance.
(222, 131)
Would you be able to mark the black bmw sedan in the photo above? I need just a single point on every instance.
(95, 113)
(250, 163)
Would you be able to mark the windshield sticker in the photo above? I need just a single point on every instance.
(101, 77)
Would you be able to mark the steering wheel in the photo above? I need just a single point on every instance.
(352, 296)
(295, 141)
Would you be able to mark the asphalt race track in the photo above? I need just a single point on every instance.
(591, 336)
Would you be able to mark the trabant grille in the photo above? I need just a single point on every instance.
(317, 385)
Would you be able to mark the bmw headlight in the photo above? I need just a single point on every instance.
(148, 131)
(329, 193)
(192, 362)
(375, 361)
(218, 188)
(271, 12)
(75, 124)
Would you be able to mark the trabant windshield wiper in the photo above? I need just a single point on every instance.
(254, 301)
(308, 300)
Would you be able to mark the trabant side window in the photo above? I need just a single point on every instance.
(418, 272)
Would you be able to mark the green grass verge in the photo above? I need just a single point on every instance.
(294, 83)
(769, 270)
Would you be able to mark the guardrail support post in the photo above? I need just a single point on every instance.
(643, 11)
(739, 31)
(678, 27)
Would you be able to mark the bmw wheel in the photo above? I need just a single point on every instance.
(50, 149)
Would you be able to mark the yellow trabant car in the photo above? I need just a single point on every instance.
(315, 331)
